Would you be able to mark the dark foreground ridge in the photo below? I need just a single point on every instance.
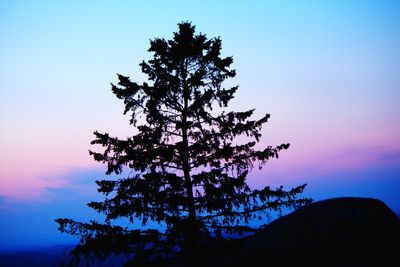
(340, 232)
(333, 232)
(336, 232)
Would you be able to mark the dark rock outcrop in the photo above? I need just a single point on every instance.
(334, 232)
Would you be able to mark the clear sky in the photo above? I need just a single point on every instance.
(326, 71)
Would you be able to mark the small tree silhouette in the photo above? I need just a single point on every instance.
(188, 166)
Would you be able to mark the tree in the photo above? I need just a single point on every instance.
(188, 167)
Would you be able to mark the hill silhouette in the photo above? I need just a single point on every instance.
(335, 232)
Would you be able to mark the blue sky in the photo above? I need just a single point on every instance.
(326, 71)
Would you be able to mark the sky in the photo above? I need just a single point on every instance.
(326, 71)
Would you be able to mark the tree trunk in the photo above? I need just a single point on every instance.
(191, 227)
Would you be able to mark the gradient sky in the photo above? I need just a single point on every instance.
(326, 71)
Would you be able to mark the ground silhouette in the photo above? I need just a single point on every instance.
(334, 232)
(343, 232)
(339, 232)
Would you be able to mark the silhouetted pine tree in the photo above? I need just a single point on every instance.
(188, 166)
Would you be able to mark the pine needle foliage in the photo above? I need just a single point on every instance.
(188, 162)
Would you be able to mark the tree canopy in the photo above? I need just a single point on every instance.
(187, 165)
